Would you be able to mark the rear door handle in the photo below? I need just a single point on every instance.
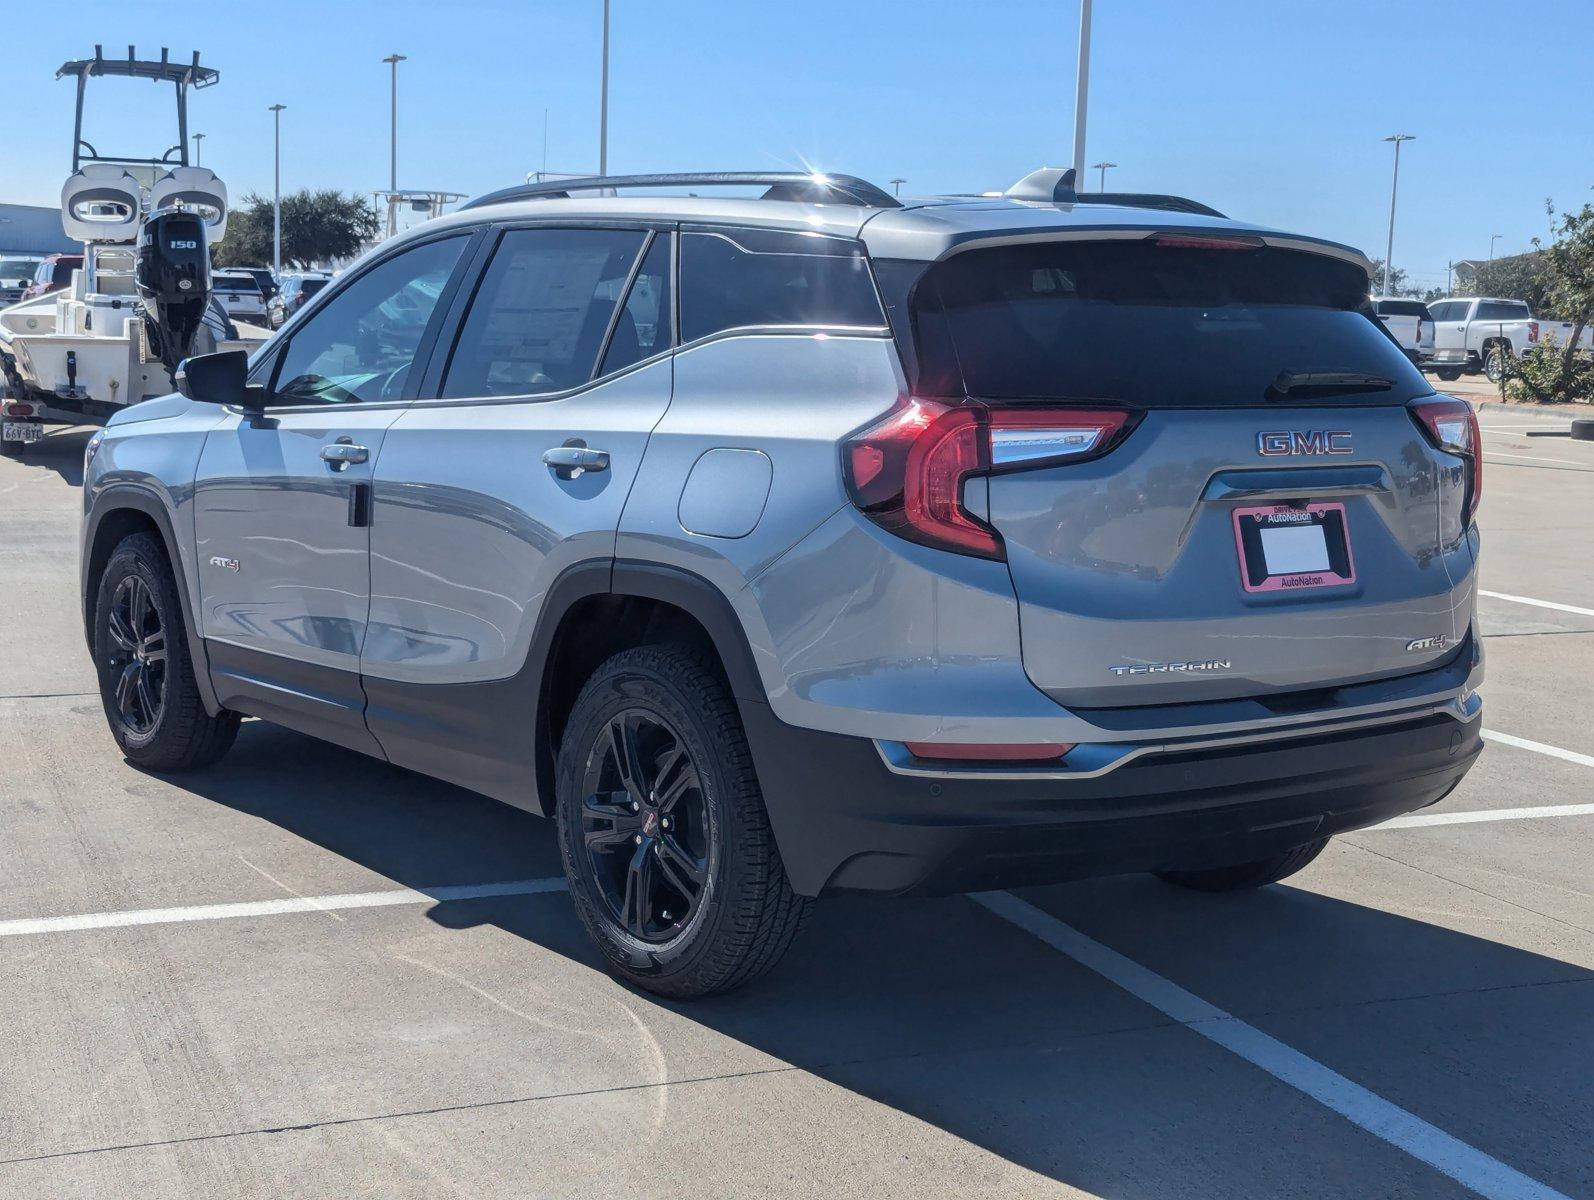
(574, 458)
(341, 453)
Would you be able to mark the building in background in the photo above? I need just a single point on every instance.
(33, 229)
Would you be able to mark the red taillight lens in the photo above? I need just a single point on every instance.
(907, 472)
(1452, 426)
(979, 752)
(1185, 241)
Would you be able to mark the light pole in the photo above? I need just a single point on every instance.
(276, 189)
(896, 186)
(1102, 167)
(393, 61)
(1389, 248)
(1081, 91)
(603, 102)
(198, 138)
(1492, 240)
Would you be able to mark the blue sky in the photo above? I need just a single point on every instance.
(1269, 111)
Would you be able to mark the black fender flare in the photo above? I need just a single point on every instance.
(125, 497)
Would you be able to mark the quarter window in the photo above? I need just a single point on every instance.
(643, 328)
(361, 344)
(735, 278)
(542, 312)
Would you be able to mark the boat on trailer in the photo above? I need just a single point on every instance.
(142, 301)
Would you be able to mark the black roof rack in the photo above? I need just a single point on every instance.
(782, 185)
(1149, 200)
(190, 74)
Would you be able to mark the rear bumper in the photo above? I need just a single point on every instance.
(844, 821)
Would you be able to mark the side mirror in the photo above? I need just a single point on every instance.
(220, 378)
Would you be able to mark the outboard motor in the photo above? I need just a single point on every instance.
(173, 280)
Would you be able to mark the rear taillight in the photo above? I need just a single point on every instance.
(1452, 426)
(907, 471)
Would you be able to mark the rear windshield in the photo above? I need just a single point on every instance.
(234, 283)
(61, 270)
(1150, 326)
(1402, 308)
(309, 287)
(1501, 310)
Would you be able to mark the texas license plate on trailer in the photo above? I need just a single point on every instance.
(1286, 547)
(21, 431)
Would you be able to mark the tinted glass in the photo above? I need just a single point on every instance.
(1148, 325)
(1402, 308)
(540, 315)
(360, 345)
(643, 329)
(309, 287)
(1501, 310)
(741, 277)
(234, 283)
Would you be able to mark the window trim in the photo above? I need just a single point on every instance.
(276, 349)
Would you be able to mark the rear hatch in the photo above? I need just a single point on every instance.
(1270, 515)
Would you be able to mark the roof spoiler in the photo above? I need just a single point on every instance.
(1055, 185)
(809, 187)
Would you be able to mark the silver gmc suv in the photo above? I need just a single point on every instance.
(813, 541)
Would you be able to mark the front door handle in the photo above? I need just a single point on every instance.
(343, 452)
(574, 459)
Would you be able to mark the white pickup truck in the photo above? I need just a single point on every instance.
(1472, 332)
(1409, 323)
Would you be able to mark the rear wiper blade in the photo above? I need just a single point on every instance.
(1340, 381)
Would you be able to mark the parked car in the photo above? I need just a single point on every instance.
(239, 295)
(676, 520)
(292, 292)
(53, 273)
(1409, 323)
(266, 280)
(1472, 333)
(16, 273)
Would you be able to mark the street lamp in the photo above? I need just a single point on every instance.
(1102, 167)
(1081, 91)
(1492, 240)
(198, 138)
(276, 189)
(1389, 249)
(896, 186)
(393, 61)
(603, 103)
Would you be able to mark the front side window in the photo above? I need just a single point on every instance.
(739, 278)
(360, 345)
(540, 316)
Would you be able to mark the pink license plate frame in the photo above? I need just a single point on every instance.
(1324, 515)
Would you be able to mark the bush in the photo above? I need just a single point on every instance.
(1547, 376)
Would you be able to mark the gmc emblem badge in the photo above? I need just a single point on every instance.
(1311, 441)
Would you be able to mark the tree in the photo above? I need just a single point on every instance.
(1397, 280)
(317, 227)
(1519, 277)
(1566, 275)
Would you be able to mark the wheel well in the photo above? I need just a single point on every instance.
(114, 527)
(592, 631)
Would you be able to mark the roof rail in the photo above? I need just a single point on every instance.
(1149, 200)
(813, 188)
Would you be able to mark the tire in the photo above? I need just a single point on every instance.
(691, 818)
(1451, 375)
(1243, 876)
(1493, 364)
(161, 723)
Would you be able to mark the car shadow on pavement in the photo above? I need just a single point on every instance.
(61, 451)
(945, 1013)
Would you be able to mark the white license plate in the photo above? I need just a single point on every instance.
(21, 431)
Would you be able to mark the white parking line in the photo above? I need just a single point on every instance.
(1571, 462)
(1466, 1164)
(273, 908)
(1571, 608)
(1478, 816)
(1571, 756)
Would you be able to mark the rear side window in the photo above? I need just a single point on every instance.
(1501, 310)
(1148, 325)
(643, 328)
(542, 312)
(740, 278)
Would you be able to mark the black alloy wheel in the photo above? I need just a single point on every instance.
(136, 656)
(645, 826)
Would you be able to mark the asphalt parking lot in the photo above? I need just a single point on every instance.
(305, 973)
